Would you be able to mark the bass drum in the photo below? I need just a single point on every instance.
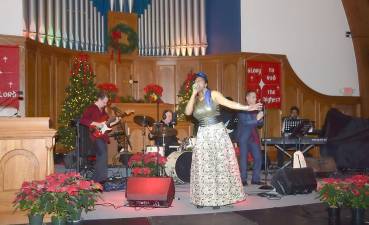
(178, 166)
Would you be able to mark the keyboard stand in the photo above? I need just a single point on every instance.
(280, 148)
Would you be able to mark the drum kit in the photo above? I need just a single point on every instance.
(178, 163)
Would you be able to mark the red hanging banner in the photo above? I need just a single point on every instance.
(265, 79)
(9, 76)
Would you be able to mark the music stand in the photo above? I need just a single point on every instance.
(266, 171)
(302, 128)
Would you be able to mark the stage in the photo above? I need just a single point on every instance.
(288, 210)
(112, 206)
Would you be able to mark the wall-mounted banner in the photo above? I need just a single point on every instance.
(265, 79)
(9, 76)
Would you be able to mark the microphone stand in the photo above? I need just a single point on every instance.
(265, 186)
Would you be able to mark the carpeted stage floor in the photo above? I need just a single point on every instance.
(289, 210)
(311, 214)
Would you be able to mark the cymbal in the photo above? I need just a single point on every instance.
(165, 131)
(143, 120)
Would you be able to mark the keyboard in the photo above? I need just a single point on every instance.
(292, 141)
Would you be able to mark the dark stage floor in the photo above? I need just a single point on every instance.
(313, 214)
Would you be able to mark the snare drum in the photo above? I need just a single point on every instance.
(178, 166)
(155, 149)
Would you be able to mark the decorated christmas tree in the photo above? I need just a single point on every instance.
(80, 93)
(184, 95)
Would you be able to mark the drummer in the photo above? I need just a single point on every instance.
(170, 138)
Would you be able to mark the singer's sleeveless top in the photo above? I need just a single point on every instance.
(206, 114)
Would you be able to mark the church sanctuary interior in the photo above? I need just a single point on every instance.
(178, 112)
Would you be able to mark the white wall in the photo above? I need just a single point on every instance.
(11, 17)
(312, 35)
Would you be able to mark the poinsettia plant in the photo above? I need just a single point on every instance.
(62, 195)
(352, 192)
(357, 191)
(31, 198)
(153, 93)
(332, 191)
(111, 90)
(146, 164)
(70, 192)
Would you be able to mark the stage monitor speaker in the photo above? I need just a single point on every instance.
(150, 191)
(289, 181)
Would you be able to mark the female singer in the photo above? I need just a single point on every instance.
(215, 175)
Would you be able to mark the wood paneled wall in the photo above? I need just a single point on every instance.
(47, 73)
(48, 70)
(357, 16)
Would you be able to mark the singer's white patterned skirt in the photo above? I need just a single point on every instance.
(215, 176)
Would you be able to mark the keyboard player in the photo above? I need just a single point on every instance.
(288, 124)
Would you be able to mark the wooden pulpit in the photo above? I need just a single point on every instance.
(26, 151)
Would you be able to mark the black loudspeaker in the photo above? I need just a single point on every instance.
(289, 181)
(150, 191)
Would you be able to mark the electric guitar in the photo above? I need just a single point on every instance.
(98, 131)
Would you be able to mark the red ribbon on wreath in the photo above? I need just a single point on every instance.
(116, 35)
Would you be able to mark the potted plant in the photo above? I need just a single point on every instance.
(147, 165)
(69, 194)
(31, 198)
(357, 197)
(153, 93)
(111, 90)
(332, 192)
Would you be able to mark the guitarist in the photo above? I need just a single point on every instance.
(95, 116)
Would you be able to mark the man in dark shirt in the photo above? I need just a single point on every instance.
(248, 139)
(170, 140)
(294, 115)
(95, 116)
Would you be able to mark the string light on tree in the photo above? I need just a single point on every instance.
(80, 93)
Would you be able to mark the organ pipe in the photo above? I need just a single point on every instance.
(58, 23)
(161, 27)
(25, 13)
(102, 34)
(189, 28)
(41, 21)
(98, 32)
(203, 39)
(172, 25)
(50, 22)
(87, 25)
(157, 28)
(95, 29)
(111, 5)
(32, 18)
(64, 24)
(183, 28)
(146, 33)
(166, 30)
(71, 24)
(82, 11)
(178, 28)
(76, 24)
(196, 31)
(130, 6)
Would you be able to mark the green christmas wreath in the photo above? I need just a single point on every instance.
(116, 34)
